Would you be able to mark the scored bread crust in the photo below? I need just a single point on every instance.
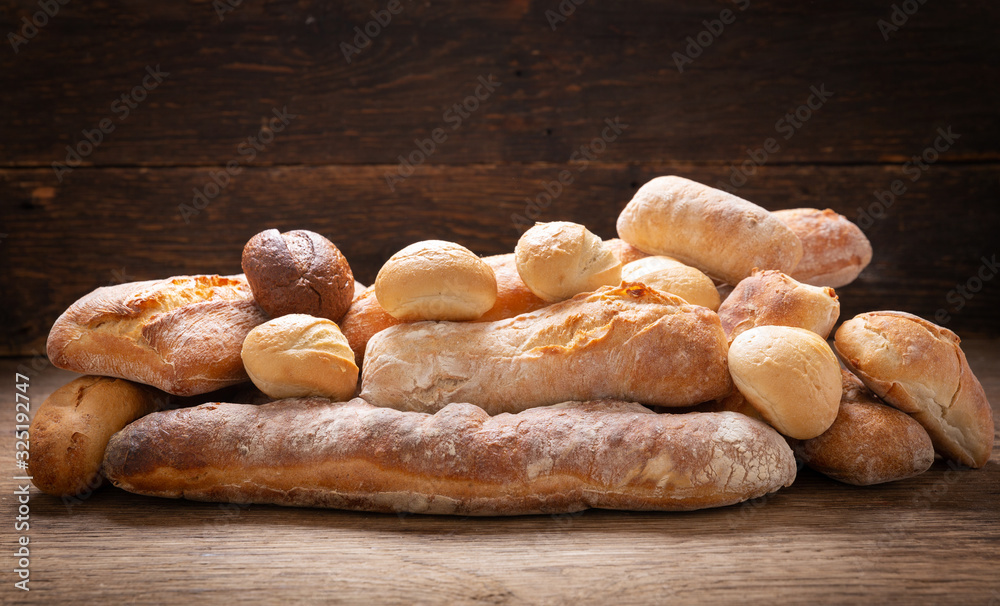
(182, 334)
(919, 368)
(630, 342)
(556, 459)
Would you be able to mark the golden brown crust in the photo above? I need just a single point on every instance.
(563, 458)
(869, 442)
(625, 252)
(834, 250)
(629, 342)
(71, 429)
(919, 368)
(366, 318)
(771, 298)
(182, 335)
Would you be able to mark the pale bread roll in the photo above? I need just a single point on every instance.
(869, 442)
(554, 459)
(559, 260)
(919, 367)
(674, 277)
(773, 298)
(298, 355)
(629, 342)
(834, 250)
(722, 235)
(435, 280)
(790, 375)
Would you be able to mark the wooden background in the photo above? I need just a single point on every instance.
(116, 216)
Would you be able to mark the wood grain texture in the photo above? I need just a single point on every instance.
(112, 225)
(934, 538)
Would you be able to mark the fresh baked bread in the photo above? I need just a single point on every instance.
(559, 260)
(298, 272)
(182, 335)
(435, 280)
(919, 368)
(674, 277)
(625, 252)
(628, 342)
(71, 429)
(298, 355)
(366, 317)
(790, 375)
(722, 235)
(772, 298)
(834, 250)
(869, 442)
(555, 459)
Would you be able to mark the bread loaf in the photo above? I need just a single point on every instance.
(561, 259)
(869, 442)
(182, 335)
(771, 298)
(71, 429)
(555, 459)
(834, 250)
(674, 277)
(722, 235)
(919, 368)
(629, 342)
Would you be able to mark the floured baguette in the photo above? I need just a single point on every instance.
(629, 342)
(563, 458)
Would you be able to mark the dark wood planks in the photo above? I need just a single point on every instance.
(942, 68)
(934, 538)
(112, 225)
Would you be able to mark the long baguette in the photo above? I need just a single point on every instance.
(562, 458)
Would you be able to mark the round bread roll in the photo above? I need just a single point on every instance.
(436, 280)
(298, 272)
(772, 298)
(674, 277)
(723, 235)
(790, 375)
(625, 252)
(919, 368)
(834, 250)
(869, 442)
(298, 355)
(561, 259)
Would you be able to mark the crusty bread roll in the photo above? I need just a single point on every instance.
(723, 235)
(629, 342)
(182, 335)
(298, 272)
(772, 298)
(366, 317)
(559, 260)
(674, 277)
(435, 280)
(869, 442)
(790, 375)
(71, 429)
(733, 402)
(556, 459)
(625, 252)
(299, 355)
(919, 368)
(834, 250)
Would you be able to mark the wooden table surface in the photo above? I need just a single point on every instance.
(931, 539)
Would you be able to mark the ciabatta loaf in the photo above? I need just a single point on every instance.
(555, 459)
(628, 342)
(182, 335)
